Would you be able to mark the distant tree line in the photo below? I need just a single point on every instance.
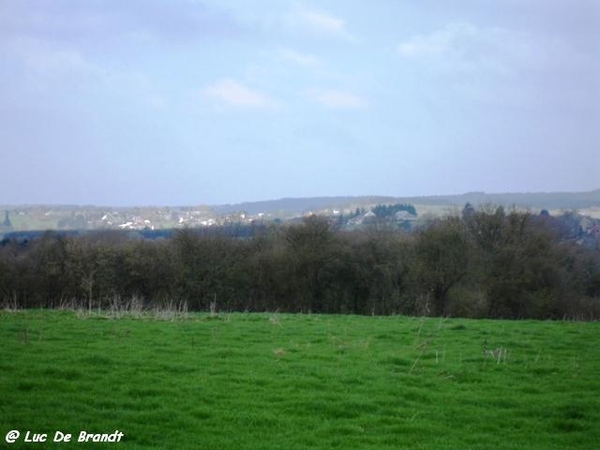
(483, 263)
(383, 211)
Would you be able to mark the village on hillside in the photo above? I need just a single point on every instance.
(583, 226)
(39, 218)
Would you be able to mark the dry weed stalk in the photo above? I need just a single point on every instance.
(274, 319)
(279, 352)
(498, 354)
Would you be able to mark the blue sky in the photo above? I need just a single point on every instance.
(185, 102)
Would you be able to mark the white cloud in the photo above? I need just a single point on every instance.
(321, 23)
(338, 99)
(236, 94)
(324, 22)
(464, 47)
(53, 70)
(438, 42)
(301, 59)
(51, 61)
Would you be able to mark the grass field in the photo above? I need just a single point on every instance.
(263, 381)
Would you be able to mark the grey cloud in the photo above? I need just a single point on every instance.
(533, 68)
(100, 23)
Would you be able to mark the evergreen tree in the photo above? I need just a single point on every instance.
(7, 223)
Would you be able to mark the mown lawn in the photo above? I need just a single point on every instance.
(265, 381)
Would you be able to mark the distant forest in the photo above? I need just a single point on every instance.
(487, 262)
(535, 200)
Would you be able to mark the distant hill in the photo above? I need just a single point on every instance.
(149, 218)
(536, 200)
(288, 206)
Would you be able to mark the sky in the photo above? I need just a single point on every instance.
(188, 102)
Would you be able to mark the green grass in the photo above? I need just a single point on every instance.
(260, 381)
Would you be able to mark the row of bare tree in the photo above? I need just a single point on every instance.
(485, 263)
